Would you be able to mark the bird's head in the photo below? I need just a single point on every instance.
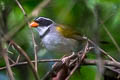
(41, 24)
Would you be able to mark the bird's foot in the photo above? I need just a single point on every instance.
(67, 58)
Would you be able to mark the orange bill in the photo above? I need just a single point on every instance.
(34, 24)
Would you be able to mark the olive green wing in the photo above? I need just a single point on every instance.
(68, 32)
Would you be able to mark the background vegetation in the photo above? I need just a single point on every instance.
(99, 20)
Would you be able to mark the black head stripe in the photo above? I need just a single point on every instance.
(43, 21)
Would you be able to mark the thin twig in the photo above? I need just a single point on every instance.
(105, 53)
(21, 7)
(111, 37)
(18, 58)
(34, 43)
(11, 60)
(35, 51)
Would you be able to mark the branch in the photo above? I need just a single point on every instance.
(84, 63)
(106, 63)
(26, 63)
(5, 56)
(101, 50)
(111, 37)
(22, 52)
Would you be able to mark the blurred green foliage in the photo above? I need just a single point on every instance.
(79, 15)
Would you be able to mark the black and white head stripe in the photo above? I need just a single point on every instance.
(43, 21)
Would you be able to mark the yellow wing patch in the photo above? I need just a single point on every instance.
(59, 29)
(65, 31)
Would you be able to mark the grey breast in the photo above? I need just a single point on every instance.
(55, 42)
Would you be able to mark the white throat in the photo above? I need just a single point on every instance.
(42, 30)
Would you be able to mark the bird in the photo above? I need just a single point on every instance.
(55, 37)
